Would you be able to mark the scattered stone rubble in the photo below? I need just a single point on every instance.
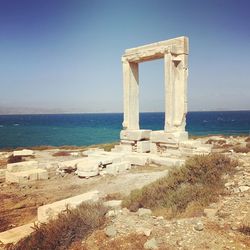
(218, 228)
(21, 172)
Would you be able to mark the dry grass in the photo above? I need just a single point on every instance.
(245, 229)
(3, 163)
(241, 149)
(185, 191)
(114, 196)
(245, 225)
(247, 139)
(69, 227)
(107, 147)
(14, 159)
(213, 141)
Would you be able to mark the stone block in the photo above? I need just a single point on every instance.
(110, 231)
(172, 153)
(111, 169)
(69, 164)
(20, 177)
(138, 159)
(50, 211)
(113, 204)
(15, 234)
(151, 244)
(24, 152)
(24, 176)
(87, 174)
(166, 146)
(88, 167)
(135, 135)
(106, 160)
(143, 146)
(88, 164)
(166, 161)
(128, 142)
(123, 148)
(192, 144)
(167, 137)
(153, 148)
(144, 212)
(22, 166)
(122, 166)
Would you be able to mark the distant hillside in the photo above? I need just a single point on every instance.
(27, 110)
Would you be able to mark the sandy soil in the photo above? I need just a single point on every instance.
(19, 203)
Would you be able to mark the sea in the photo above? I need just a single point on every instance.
(89, 129)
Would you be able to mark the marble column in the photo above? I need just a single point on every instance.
(131, 95)
(175, 92)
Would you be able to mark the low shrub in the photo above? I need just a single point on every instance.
(106, 146)
(14, 159)
(196, 184)
(218, 141)
(62, 153)
(241, 149)
(247, 139)
(114, 196)
(245, 230)
(69, 227)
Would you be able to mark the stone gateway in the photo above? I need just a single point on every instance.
(173, 140)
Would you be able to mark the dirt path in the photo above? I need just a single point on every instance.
(19, 203)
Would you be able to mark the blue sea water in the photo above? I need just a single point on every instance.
(88, 129)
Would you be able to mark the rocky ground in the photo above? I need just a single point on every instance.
(220, 227)
(19, 202)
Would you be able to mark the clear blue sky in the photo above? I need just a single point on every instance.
(64, 55)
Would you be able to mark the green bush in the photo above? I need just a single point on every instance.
(198, 183)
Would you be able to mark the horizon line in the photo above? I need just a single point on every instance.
(79, 113)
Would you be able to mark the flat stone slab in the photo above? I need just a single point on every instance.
(138, 159)
(92, 151)
(135, 135)
(24, 176)
(23, 152)
(50, 211)
(113, 204)
(116, 168)
(22, 166)
(69, 164)
(143, 146)
(167, 137)
(15, 234)
(166, 161)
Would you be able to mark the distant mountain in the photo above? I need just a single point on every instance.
(27, 110)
